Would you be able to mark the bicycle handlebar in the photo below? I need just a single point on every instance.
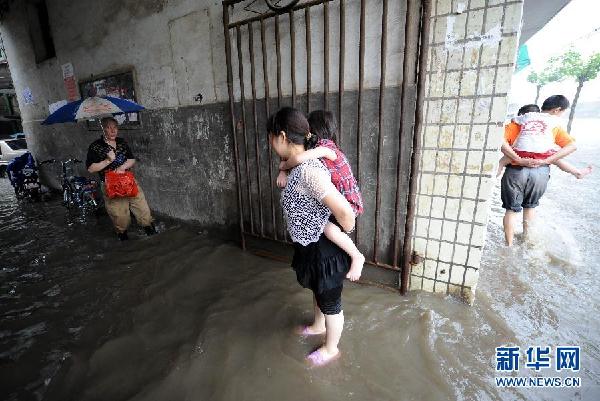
(76, 161)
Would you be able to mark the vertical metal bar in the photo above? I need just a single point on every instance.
(279, 91)
(308, 58)
(381, 133)
(326, 55)
(411, 38)
(255, 120)
(243, 104)
(268, 114)
(232, 115)
(341, 71)
(293, 59)
(416, 151)
(278, 50)
(361, 78)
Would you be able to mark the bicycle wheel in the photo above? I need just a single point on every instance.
(19, 192)
(281, 5)
(33, 195)
(88, 201)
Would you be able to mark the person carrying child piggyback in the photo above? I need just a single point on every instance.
(323, 125)
(535, 134)
(533, 142)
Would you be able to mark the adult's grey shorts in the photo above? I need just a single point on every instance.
(522, 187)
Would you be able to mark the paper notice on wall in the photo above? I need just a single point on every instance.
(132, 116)
(52, 107)
(67, 70)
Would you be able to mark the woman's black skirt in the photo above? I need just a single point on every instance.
(320, 265)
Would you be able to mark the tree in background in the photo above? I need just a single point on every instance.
(572, 65)
(540, 79)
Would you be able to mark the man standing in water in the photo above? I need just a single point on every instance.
(525, 179)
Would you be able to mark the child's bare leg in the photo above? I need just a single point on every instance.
(341, 239)
(567, 167)
(504, 161)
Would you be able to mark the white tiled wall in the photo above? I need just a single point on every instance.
(473, 46)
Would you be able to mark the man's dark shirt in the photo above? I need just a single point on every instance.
(99, 149)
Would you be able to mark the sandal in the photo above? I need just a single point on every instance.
(317, 359)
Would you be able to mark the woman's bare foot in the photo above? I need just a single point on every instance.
(356, 267)
(583, 172)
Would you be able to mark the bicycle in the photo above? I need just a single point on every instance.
(78, 192)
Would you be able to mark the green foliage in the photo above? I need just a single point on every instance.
(542, 78)
(572, 65)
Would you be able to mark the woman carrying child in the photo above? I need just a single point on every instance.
(308, 200)
(323, 125)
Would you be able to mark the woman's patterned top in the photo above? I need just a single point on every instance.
(305, 215)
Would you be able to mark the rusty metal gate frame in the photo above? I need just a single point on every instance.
(413, 58)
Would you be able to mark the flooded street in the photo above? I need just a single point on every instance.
(179, 316)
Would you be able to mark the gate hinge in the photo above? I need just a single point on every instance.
(416, 258)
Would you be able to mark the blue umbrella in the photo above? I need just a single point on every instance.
(92, 107)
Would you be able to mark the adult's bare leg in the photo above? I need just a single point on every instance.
(528, 217)
(509, 226)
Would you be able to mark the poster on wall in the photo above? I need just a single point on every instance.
(27, 96)
(117, 85)
(69, 80)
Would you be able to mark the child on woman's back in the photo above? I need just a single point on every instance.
(535, 134)
(322, 124)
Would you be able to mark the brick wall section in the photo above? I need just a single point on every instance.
(473, 47)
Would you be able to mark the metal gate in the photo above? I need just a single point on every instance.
(311, 58)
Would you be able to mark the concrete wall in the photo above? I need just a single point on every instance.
(176, 50)
(184, 155)
(472, 55)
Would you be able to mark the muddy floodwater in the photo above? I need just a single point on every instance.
(180, 316)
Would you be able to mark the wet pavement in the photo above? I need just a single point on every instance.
(180, 316)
